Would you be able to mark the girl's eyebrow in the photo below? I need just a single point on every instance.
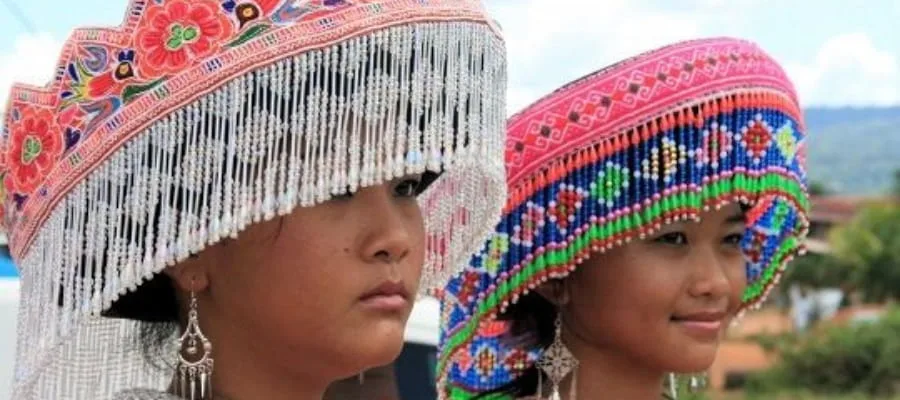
(736, 218)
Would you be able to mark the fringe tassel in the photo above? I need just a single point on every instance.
(295, 133)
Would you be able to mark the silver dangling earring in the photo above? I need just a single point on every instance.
(697, 383)
(362, 380)
(673, 386)
(557, 362)
(194, 374)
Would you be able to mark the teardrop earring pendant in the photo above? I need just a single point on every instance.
(557, 362)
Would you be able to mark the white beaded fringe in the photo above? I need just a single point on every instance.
(101, 241)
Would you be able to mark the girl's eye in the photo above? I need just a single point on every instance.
(672, 238)
(409, 188)
(734, 239)
(344, 196)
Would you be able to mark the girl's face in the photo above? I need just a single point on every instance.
(663, 302)
(322, 293)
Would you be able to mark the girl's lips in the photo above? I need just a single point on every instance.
(705, 325)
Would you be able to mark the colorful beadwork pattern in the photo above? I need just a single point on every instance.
(112, 83)
(615, 155)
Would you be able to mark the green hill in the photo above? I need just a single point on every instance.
(854, 150)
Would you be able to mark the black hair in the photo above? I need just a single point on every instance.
(531, 322)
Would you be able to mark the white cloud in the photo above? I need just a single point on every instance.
(9, 291)
(32, 60)
(848, 70)
(550, 45)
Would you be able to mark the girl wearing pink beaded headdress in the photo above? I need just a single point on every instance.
(651, 203)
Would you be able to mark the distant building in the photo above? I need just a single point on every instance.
(831, 211)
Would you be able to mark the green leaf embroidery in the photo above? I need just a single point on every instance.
(175, 40)
(132, 91)
(31, 150)
(181, 35)
(190, 34)
(251, 33)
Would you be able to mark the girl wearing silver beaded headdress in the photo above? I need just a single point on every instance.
(242, 199)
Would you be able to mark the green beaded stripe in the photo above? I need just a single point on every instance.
(460, 394)
(738, 183)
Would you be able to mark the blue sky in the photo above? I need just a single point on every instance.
(837, 54)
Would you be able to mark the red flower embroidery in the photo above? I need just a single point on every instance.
(464, 359)
(34, 148)
(716, 145)
(755, 249)
(485, 361)
(175, 34)
(491, 329)
(757, 138)
(112, 81)
(532, 222)
(468, 287)
(568, 201)
(516, 360)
